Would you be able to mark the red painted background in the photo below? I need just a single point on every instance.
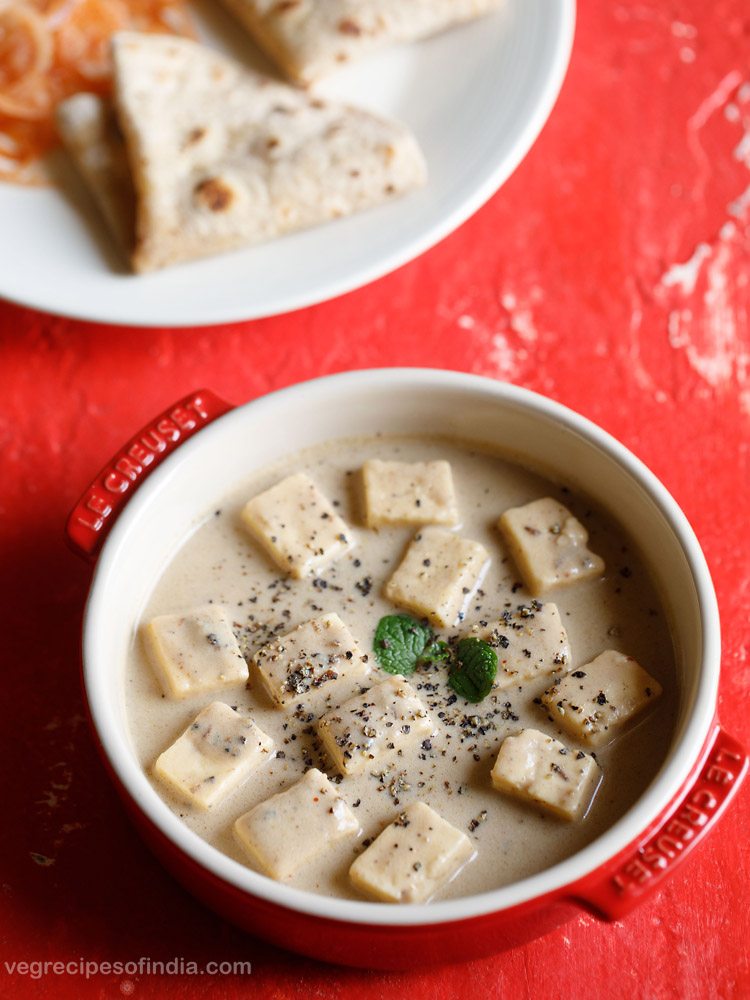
(565, 282)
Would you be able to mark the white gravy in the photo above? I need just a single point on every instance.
(220, 563)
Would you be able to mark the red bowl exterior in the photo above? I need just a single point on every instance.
(366, 946)
(369, 946)
(611, 891)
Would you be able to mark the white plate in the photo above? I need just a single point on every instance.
(476, 97)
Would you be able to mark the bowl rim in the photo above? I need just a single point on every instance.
(662, 791)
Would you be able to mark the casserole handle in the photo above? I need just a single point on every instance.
(636, 873)
(95, 513)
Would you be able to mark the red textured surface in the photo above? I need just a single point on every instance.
(564, 282)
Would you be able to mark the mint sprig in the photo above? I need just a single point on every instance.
(402, 643)
(473, 673)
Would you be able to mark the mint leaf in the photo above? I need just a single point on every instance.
(399, 643)
(474, 672)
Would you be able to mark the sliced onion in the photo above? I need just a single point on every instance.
(28, 100)
(22, 17)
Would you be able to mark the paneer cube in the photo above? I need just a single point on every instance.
(408, 493)
(215, 754)
(414, 857)
(316, 657)
(530, 642)
(548, 545)
(297, 526)
(537, 768)
(374, 726)
(195, 652)
(595, 701)
(290, 829)
(438, 576)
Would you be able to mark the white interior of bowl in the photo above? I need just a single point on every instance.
(551, 438)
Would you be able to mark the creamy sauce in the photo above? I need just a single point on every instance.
(220, 563)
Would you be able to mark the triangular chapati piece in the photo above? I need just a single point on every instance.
(223, 157)
(310, 38)
(198, 155)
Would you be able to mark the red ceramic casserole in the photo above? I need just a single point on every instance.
(202, 447)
